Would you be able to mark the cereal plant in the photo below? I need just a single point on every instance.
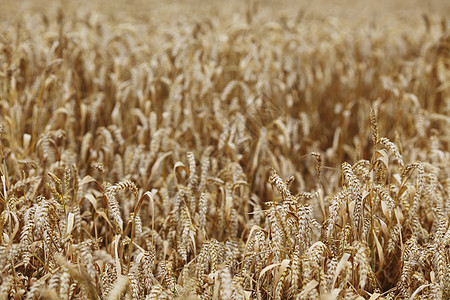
(224, 150)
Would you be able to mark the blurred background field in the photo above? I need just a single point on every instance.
(160, 10)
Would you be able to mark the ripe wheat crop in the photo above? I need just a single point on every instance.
(224, 150)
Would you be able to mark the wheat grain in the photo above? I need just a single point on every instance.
(99, 106)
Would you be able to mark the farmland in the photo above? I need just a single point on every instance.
(224, 150)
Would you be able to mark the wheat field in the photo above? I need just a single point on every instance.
(224, 150)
